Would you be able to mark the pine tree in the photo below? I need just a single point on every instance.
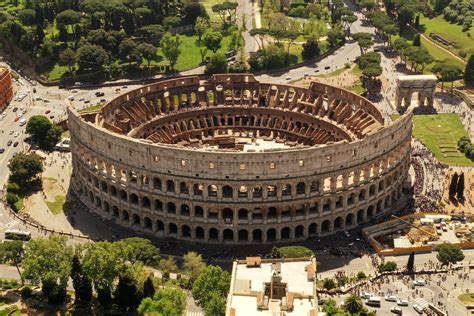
(453, 186)
(126, 294)
(148, 288)
(460, 187)
(417, 40)
(469, 72)
(411, 261)
(82, 284)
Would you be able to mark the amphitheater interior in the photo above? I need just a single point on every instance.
(229, 159)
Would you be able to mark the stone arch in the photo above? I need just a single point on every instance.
(257, 235)
(106, 207)
(243, 214)
(212, 190)
(370, 212)
(228, 214)
(98, 202)
(184, 211)
(299, 231)
(198, 211)
(326, 226)
(199, 232)
(227, 191)
(170, 186)
(147, 223)
(338, 223)
(125, 216)
(183, 188)
(186, 231)
(301, 188)
(115, 211)
(243, 235)
(158, 205)
(157, 183)
(160, 226)
(171, 208)
(146, 202)
(286, 190)
(113, 190)
(285, 233)
(360, 216)
(313, 229)
(350, 219)
(271, 234)
(123, 195)
(136, 220)
(213, 234)
(103, 186)
(133, 199)
(172, 229)
(272, 213)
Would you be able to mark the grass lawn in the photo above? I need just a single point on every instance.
(208, 5)
(467, 298)
(334, 73)
(440, 133)
(451, 32)
(55, 72)
(20, 204)
(190, 56)
(56, 207)
(10, 311)
(438, 54)
(91, 109)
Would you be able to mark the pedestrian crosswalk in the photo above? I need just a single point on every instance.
(422, 302)
(194, 314)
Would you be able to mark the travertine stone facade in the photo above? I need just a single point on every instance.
(166, 159)
(424, 85)
(6, 87)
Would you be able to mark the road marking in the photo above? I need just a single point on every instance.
(194, 314)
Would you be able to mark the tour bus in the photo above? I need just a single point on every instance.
(16, 234)
(373, 301)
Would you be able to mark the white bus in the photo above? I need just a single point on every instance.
(373, 301)
(16, 234)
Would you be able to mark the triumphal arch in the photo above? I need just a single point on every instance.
(424, 85)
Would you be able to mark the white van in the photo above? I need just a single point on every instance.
(22, 121)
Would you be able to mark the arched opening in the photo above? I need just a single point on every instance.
(370, 212)
(300, 188)
(362, 195)
(313, 229)
(103, 186)
(299, 231)
(213, 234)
(147, 223)
(286, 190)
(372, 190)
(360, 216)
(115, 211)
(271, 234)
(125, 216)
(257, 235)
(381, 186)
(228, 215)
(134, 199)
(212, 190)
(123, 195)
(136, 220)
(146, 202)
(98, 202)
(350, 220)
(158, 205)
(227, 191)
(106, 207)
(351, 199)
(170, 186)
(271, 191)
(243, 214)
(314, 186)
(183, 188)
(198, 211)
(199, 233)
(198, 189)
(326, 226)
(285, 233)
(338, 223)
(243, 192)
(113, 191)
(171, 208)
(160, 226)
(186, 231)
(379, 207)
(172, 229)
(184, 210)
(157, 183)
(243, 235)
(272, 213)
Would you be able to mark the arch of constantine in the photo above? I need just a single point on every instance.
(230, 159)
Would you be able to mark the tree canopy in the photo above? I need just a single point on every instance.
(449, 253)
(212, 281)
(167, 301)
(25, 168)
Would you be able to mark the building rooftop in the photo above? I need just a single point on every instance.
(273, 287)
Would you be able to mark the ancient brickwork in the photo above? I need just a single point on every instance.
(6, 88)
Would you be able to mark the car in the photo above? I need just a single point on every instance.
(2, 150)
(61, 86)
(70, 98)
(418, 308)
(327, 67)
(396, 310)
(15, 144)
(46, 100)
(87, 101)
(47, 112)
(15, 109)
(124, 87)
(51, 116)
(288, 78)
(391, 298)
(9, 142)
(11, 132)
(419, 282)
(99, 94)
(81, 99)
(74, 91)
(366, 295)
(16, 119)
(103, 100)
(401, 302)
(346, 233)
(16, 134)
(38, 99)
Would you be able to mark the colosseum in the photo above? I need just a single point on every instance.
(229, 159)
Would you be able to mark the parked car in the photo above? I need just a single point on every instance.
(47, 112)
(2, 150)
(396, 310)
(15, 109)
(419, 282)
(418, 308)
(15, 144)
(391, 298)
(401, 302)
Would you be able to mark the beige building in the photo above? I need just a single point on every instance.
(230, 159)
(273, 287)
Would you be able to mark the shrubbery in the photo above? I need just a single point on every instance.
(291, 252)
(387, 266)
(466, 146)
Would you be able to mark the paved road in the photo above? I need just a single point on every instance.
(245, 12)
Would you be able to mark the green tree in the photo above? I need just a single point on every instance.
(453, 185)
(329, 284)
(411, 261)
(147, 52)
(390, 30)
(217, 64)
(331, 309)
(11, 252)
(67, 58)
(200, 27)
(294, 252)
(361, 275)
(126, 294)
(128, 51)
(170, 45)
(449, 253)
(460, 187)
(38, 126)
(387, 266)
(92, 57)
(48, 260)
(27, 16)
(82, 284)
(417, 40)
(364, 40)
(69, 17)
(353, 304)
(193, 265)
(167, 301)
(469, 72)
(212, 280)
(335, 36)
(25, 168)
(400, 45)
(447, 72)
(213, 40)
(226, 11)
(148, 288)
(168, 266)
(140, 250)
(216, 306)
